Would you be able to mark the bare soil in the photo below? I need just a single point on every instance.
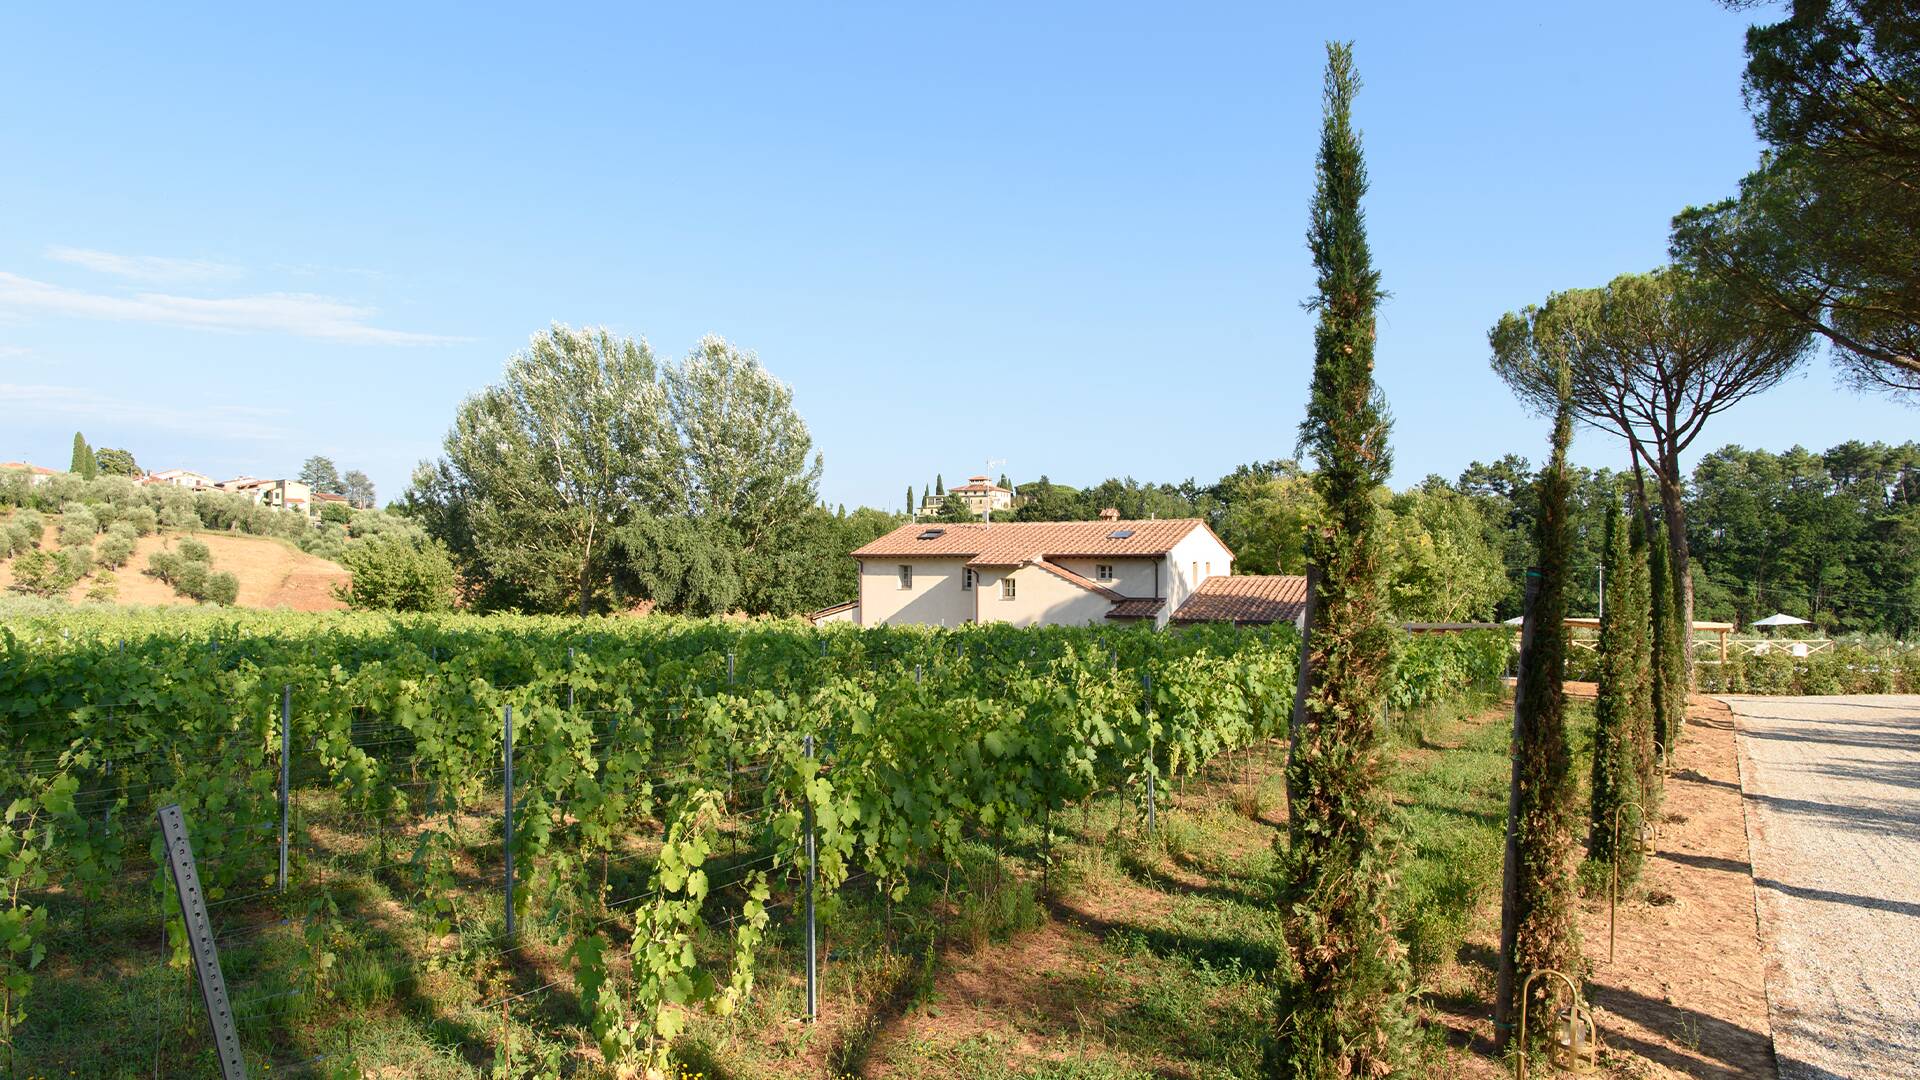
(272, 572)
(1685, 993)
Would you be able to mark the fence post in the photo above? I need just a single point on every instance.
(286, 774)
(200, 942)
(813, 948)
(1509, 878)
(569, 678)
(507, 725)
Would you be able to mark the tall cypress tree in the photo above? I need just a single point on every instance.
(84, 464)
(1539, 928)
(1345, 1013)
(1616, 756)
(909, 500)
(1638, 580)
(1669, 648)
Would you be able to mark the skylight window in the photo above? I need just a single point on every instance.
(1119, 534)
(931, 534)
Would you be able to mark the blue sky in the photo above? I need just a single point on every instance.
(1069, 238)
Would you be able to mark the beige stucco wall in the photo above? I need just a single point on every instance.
(936, 598)
(1199, 547)
(1040, 599)
(1131, 577)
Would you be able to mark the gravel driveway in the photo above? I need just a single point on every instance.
(1832, 790)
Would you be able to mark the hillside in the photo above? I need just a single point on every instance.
(272, 572)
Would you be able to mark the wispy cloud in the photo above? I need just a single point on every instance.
(301, 314)
(228, 421)
(149, 268)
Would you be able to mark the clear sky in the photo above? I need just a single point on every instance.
(1067, 236)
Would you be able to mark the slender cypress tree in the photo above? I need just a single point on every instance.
(1616, 722)
(1638, 582)
(939, 485)
(84, 465)
(1668, 647)
(1543, 933)
(909, 500)
(1345, 1013)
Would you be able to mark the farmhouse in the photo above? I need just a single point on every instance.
(1062, 573)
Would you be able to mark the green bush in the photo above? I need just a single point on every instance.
(104, 588)
(142, 519)
(195, 550)
(1844, 668)
(192, 579)
(398, 574)
(1428, 668)
(14, 539)
(222, 588)
(334, 513)
(165, 565)
(39, 573)
(77, 525)
(115, 550)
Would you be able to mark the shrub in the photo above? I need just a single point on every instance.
(165, 565)
(31, 522)
(45, 574)
(115, 550)
(195, 551)
(14, 539)
(104, 588)
(77, 525)
(191, 581)
(142, 519)
(179, 515)
(222, 588)
(398, 574)
(334, 513)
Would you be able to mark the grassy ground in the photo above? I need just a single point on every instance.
(1130, 956)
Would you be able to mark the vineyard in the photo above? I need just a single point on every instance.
(615, 812)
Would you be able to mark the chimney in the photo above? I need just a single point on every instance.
(1109, 514)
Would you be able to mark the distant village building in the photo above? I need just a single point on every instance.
(181, 478)
(979, 493)
(36, 474)
(1061, 573)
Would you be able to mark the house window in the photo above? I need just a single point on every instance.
(966, 577)
(1006, 588)
(1209, 567)
(1196, 569)
(1103, 571)
(906, 575)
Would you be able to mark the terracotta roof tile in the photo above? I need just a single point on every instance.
(1013, 543)
(1072, 578)
(1137, 607)
(1246, 598)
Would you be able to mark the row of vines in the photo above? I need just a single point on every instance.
(641, 750)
